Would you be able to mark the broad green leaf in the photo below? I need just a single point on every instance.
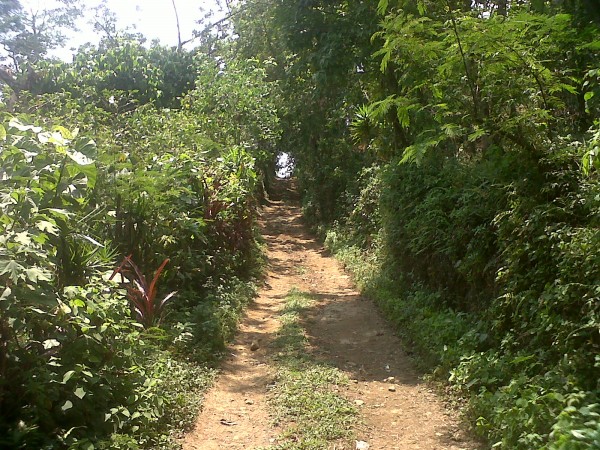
(70, 291)
(65, 133)
(60, 213)
(41, 238)
(50, 343)
(58, 140)
(91, 173)
(49, 227)
(23, 238)
(16, 123)
(2, 133)
(67, 376)
(5, 294)
(44, 137)
(80, 392)
(35, 274)
(66, 309)
(86, 147)
(67, 405)
(80, 158)
(12, 268)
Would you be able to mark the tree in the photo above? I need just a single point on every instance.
(320, 55)
(8, 10)
(28, 34)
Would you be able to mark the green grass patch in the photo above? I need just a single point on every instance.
(304, 401)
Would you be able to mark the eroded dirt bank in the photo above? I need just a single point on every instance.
(397, 410)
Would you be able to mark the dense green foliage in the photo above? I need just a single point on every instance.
(451, 150)
(144, 153)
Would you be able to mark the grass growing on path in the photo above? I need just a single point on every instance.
(304, 398)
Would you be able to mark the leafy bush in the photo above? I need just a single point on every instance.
(72, 356)
(84, 373)
(525, 352)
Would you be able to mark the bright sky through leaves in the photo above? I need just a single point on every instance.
(155, 19)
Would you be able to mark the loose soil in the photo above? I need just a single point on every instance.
(397, 409)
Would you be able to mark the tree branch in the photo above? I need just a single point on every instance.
(179, 44)
(472, 84)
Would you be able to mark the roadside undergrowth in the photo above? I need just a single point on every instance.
(304, 399)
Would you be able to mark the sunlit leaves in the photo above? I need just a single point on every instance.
(382, 6)
(67, 376)
(483, 70)
(496, 104)
(67, 405)
(79, 393)
(13, 269)
(122, 74)
(591, 158)
(177, 182)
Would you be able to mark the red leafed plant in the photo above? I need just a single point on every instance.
(148, 309)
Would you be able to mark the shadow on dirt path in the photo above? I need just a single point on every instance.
(398, 411)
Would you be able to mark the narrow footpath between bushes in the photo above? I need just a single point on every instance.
(391, 408)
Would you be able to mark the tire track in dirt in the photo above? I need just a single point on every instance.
(398, 411)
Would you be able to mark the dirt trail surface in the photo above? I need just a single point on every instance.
(397, 410)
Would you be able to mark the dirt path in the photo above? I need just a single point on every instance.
(398, 411)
